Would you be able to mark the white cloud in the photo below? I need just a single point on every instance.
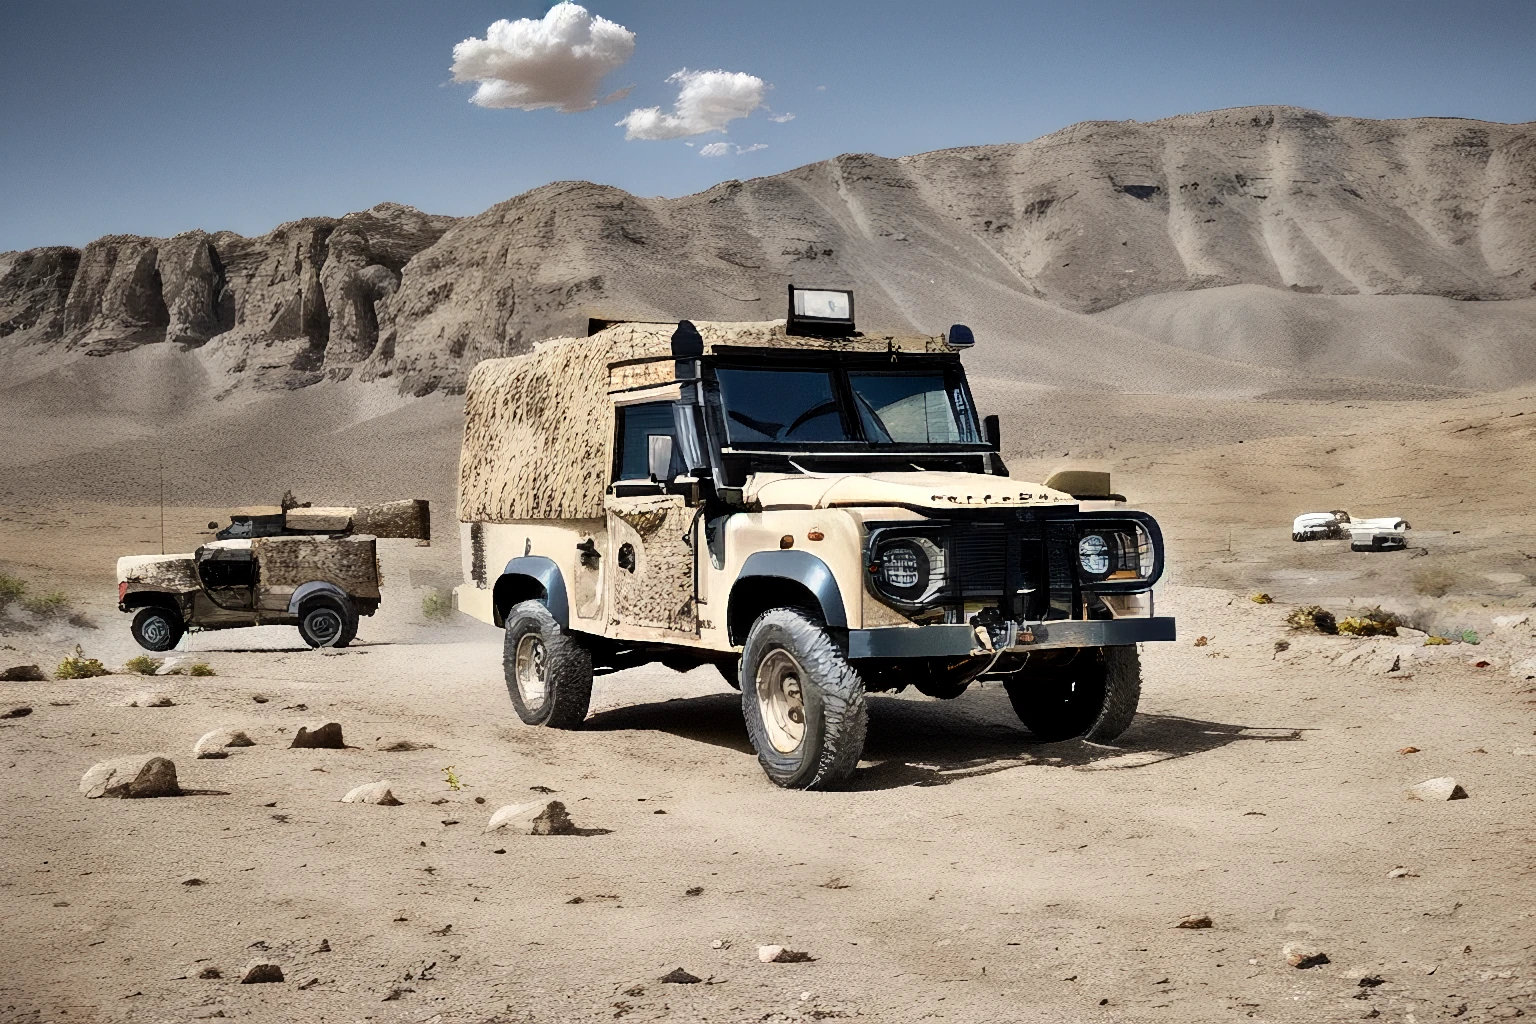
(726, 149)
(782, 118)
(706, 102)
(556, 61)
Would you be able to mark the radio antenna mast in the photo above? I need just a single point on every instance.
(162, 499)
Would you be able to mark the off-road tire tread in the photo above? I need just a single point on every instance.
(568, 693)
(171, 615)
(348, 622)
(1122, 694)
(845, 714)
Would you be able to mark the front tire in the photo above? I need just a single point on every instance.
(1093, 698)
(548, 672)
(803, 703)
(158, 628)
(327, 623)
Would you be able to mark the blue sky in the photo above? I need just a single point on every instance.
(158, 117)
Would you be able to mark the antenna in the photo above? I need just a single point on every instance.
(162, 499)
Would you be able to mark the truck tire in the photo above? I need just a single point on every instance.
(158, 628)
(548, 671)
(326, 622)
(803, 703)
(1092, 699)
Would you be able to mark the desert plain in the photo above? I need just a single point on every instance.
(969, 872)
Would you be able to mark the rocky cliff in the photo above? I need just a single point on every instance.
(1079, 221)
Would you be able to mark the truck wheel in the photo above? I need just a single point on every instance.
(1093, 698)
(803, 702)
(325, 623)
(549, 672)
(158, 629)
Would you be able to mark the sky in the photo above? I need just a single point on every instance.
(159, 117)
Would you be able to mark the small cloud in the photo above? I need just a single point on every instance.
(726, 149)
(706, 102)
(556, 61)
(821, 88)
(782, 118)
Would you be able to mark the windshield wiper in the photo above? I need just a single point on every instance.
(761, 426)
(811, 414)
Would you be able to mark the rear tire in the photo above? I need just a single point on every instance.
(803, 703)
(326, 622)
(1094, 698)
(158, 628)
(548, 671)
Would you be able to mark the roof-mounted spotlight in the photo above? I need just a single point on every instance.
(960, 336)
(820, 311)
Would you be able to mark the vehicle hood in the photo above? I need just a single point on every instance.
(924, 490)
(141, 567)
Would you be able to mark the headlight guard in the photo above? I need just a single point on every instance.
(1118, 552)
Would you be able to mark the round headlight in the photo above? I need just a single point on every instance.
(904, 567)
(1093, 555)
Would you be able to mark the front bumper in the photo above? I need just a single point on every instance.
(957, 641)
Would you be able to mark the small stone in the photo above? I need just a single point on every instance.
(208, 973)
(213, 743)
(697, 890)
(479, 799)
(193, 881)
(21, 712)
(373, 793)
(1371, 981)
(1195, 921)
(1409, 750)
(152, 700)
(1443, 788)
(398, 745)
(717, 944)
(1302, 956)
(324, 947)
(678, 976)
(261, 972)
(23, 674)
(131, 778)
(327, 737)
(553, 821)
(780, 955)
(1401, 873)
(504, 816)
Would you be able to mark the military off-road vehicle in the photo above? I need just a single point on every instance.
(315, 568)
(817, 511)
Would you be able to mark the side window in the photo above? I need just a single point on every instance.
(636, 424)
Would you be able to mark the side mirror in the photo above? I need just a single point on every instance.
(660, 457)
(994, 428)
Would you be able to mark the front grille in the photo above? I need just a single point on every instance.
(980, 551)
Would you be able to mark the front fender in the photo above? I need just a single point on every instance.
(532, 577)
(308, 590)
(803, 568)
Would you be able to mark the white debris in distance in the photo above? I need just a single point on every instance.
(707, 101)
(556, 61)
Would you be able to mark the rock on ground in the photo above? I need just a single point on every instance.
(131, 778)
(540, 818)
(396, 744)
(23, 674)
(1195, 921)
(1302, 955)
(261, 972)
(213, 743)
(373, 793)
(327, 737)
(780, 955)
(553, 821)
(1443, 788)
(151, 700)
(678, 976)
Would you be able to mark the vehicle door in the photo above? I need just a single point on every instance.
(652, 578)
(226, 571)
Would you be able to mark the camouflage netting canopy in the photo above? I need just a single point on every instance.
(538, 428)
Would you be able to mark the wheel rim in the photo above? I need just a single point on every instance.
(156, 630)
(532, 670)
(781, 700)
(325, 626)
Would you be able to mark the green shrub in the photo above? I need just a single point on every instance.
(11, 590)
(141, 664)
(437, 605)
(1437, 641)
(1371, 622)
(1261, 598)
(1469, 636)
(1313, 617)
(201, 669)
(78, 666)
(47, 606)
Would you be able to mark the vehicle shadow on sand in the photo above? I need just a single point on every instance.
(937, 743)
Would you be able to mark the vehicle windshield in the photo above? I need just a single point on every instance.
(806, 406)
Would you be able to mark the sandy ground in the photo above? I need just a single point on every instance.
(968, 874)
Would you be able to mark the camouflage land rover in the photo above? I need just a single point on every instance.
(315, 568)
(817, 511)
